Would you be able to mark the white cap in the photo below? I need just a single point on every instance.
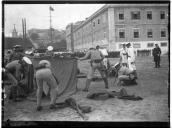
(48, 64)
(50, 48)
(27, 60)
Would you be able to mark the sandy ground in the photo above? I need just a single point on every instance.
(152, 87)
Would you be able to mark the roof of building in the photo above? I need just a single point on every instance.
(9, 42)
(105, 7)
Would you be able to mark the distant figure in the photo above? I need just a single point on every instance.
(131, 58)
(106, 61)
(44, 73)
(123, 56)
(96, 63)
(156, 53)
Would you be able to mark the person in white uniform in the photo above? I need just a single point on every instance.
(131, 58)
(123, 56)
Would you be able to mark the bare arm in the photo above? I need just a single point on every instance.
(102, 55)
(86, 56)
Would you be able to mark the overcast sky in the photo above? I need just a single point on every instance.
(37, 15)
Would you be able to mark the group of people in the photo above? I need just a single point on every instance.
(126, 70)
(126, 65)
(16, 69)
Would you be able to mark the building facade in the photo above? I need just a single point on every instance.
(142, 25)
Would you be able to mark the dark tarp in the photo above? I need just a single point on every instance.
(65, 70)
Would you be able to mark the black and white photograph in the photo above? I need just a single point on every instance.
(86, 62)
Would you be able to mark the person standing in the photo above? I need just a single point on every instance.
(96, 63)
(123, 56)
(156, 53)
(44, 73)
(131, 58)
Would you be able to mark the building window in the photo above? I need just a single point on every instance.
(136, 33)
(136, 45)
(150, 44)
(121, 33)
(135, 15)
(149, 15)
(162, 15)
(163, 33)
(121, 16)
(93, 24)
(163, 44)
(149, 33)
(98, 21)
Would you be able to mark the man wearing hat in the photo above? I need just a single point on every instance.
(15, 71)
(131, 58)
(123, 56)
(16, 68)
(156, 53)
(96, 63)
(44, 74)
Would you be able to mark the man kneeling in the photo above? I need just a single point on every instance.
(126, 76)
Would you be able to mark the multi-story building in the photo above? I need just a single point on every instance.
(142, 25)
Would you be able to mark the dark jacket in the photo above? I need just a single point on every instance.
(156, 53)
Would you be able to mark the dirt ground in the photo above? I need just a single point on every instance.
(152, 87)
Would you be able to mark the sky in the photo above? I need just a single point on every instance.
(38, 15)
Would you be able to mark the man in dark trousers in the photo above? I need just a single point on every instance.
(156, 54)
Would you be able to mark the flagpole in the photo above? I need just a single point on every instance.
(50, 26)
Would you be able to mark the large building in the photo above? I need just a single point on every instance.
(142, 25)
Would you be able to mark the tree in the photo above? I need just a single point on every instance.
(34, 36)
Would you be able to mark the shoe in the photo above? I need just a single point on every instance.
(52, 106)
(39, 108)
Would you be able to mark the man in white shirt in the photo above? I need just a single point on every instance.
(123, 56)
(131, 58)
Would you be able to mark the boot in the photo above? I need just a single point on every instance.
(88, 82)
(106, 83)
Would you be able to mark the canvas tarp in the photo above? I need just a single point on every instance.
(65, 70)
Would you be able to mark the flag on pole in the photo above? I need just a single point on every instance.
(51, 9)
